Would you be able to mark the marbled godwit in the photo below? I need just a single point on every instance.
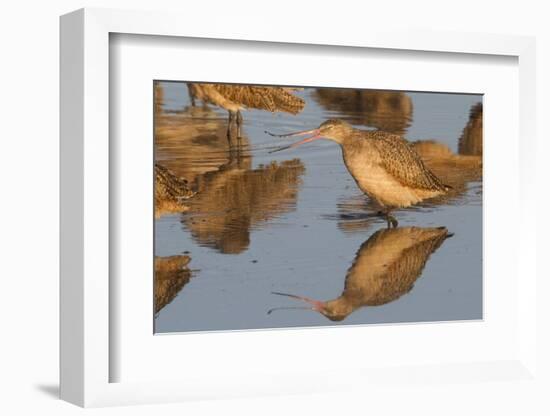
(235, 98)
(384, 165)
(386, 267)
(171, 275)
(170, 191)
(455, 170)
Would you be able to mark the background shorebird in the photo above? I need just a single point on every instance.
(170, 192)
(385, 267)
(385, 166)
(235, 98)
(171, 275)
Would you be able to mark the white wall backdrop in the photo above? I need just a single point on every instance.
(29, 205)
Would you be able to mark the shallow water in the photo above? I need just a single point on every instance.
(295, 222)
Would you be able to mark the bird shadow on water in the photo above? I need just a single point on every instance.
(51, 390)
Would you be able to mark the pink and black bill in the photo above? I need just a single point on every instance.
(315, 134)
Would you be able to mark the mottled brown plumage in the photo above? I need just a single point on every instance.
(400, 159)
(235, 98)
(170, 191)
(261, 98)
(455, 170)
(385, 268)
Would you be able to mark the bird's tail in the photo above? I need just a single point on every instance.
(287, 102)
(437, 182)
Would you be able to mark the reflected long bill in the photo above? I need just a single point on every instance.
(316, 305)
(313, 132)
(287, 308)
(296, 133)
(279, 149)
(290, 146)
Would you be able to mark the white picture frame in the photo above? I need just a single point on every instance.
(86, 304)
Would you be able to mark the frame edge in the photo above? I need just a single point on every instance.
(82, 383)
(71, 216)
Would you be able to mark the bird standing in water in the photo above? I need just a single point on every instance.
(384, 165)
(235, 98)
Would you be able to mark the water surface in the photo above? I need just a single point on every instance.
(295, 222)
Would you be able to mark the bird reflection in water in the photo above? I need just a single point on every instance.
(233, 200)
(177, 155)
(230, 196)
(171, 275)
(385, 268)
(390, 111)
(471, 141)
(191, 142)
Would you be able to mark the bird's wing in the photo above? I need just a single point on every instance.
(263, 98)
(213, 94)
(403, 162)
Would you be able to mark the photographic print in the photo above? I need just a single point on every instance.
(299, 206)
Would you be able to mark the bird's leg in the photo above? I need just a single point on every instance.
(239, 123)
(234, 158)
(191, 96)
(230, 125)
(390, 219)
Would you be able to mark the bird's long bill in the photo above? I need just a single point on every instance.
(314, 136)
(316, 305)
(296, 133)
